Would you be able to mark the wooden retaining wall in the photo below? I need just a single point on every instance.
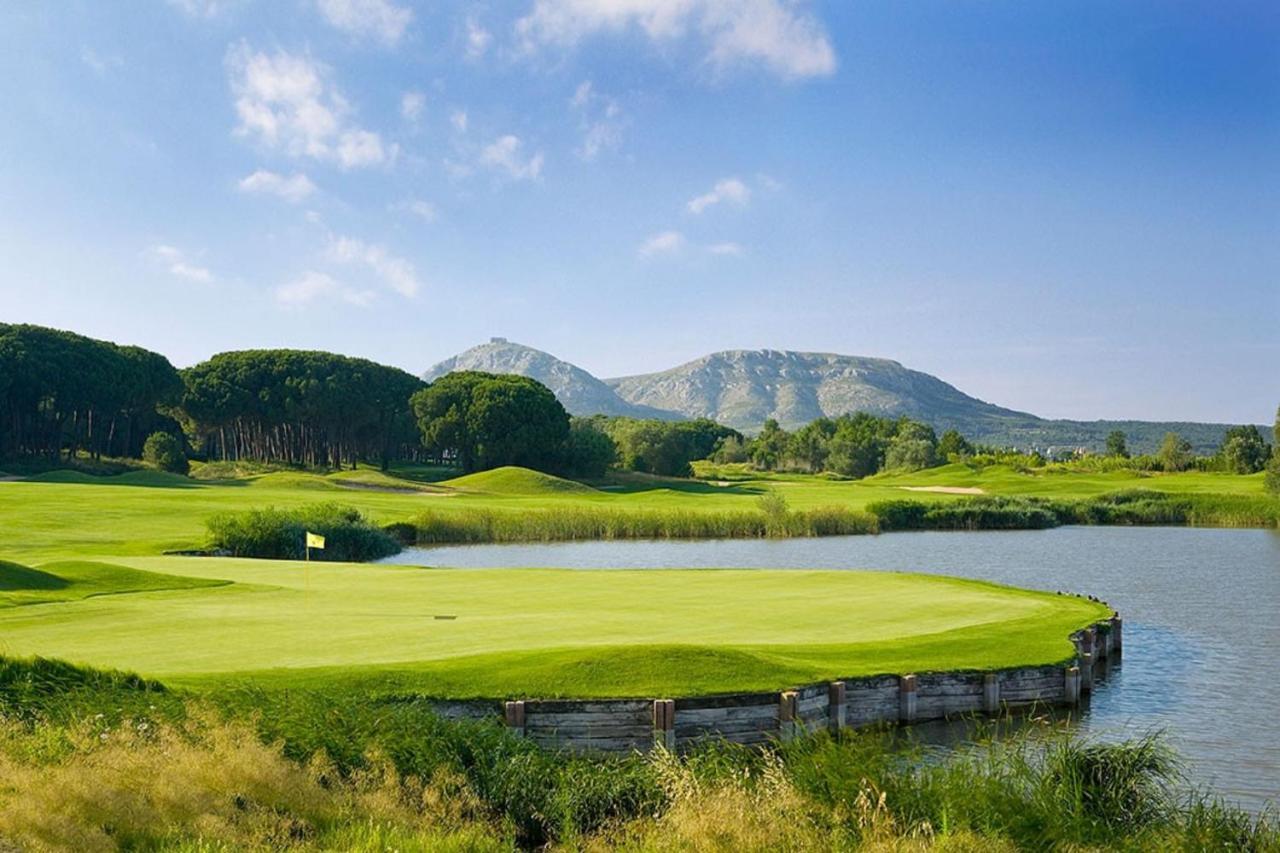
(626, 725)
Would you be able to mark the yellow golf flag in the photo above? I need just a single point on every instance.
(315, 540)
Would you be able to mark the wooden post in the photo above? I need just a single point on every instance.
(513, 716)
(664, 724)
(1116, 633)
(837, 706)
(991, 693)
(1086, 641)
(1086, 672)
(907, 698)
(1071, 685)
(788, 714)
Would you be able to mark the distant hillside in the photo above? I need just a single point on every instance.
(578, 391)
(744, 388)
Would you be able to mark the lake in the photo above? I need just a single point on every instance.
(1201, 612)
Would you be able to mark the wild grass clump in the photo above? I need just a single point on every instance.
(467, 526)
(979, 513)
(280, 534)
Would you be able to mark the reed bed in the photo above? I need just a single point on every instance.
(436, 527)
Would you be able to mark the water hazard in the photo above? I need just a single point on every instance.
(1201, 610)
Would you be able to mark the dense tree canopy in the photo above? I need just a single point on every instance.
(299, 407)
(485, 420)
(60, 391)
(665, 447)
(1244, 450)
(1175, 453)
(1117, 444)
(856, 445)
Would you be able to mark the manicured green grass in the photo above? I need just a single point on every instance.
(62, 515)
(78, 579)
(539, 632)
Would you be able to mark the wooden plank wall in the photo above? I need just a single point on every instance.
(625, 725)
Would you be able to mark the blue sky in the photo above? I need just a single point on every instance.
(1067, 208)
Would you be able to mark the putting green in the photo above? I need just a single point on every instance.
(522, 632)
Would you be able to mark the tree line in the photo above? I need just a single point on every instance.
(63, 393)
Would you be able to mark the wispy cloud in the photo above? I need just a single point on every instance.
(200, 8)
(505, 156)
(600, 120)
(378, 19)
(396, 272)
(286, 102)
(424, 210)
(98, 63)
(314, 286)
(411, 105)
(292, 188)
(478, 39)
(728, 190)
(662, 243)
(459, 120)
(729, 248)
(175, 261)
(775, 34)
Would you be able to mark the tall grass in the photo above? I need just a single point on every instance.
(582, 523)
(307, 770)
(1128, 507)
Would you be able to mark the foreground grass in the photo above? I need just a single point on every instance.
(531, 632)
(62, 515)
(100, 761)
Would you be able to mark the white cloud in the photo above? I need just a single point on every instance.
(504, 155)
(725, 249)
(774, 33)
(199, 8)
(459, 120)
(378, 19)
(397, 273)
(662, 243)
(175, 262)
(286, 102)
(728, 190)
(293, 188)
(478, 39)
(424, 210)
(99, 64)
(601, 120)
(411, 105)
(312, 286)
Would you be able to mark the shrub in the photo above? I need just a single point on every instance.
(278, 534)
(165, 452)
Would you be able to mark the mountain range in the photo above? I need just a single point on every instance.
(743, 388)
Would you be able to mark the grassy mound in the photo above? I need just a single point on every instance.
(513, 480)
(80, 579)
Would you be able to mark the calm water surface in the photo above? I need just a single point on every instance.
(1201, 610)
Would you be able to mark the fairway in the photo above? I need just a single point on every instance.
(522, 632)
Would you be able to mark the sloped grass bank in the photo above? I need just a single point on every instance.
(135, 767)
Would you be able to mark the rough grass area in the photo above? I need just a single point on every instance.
(119, 763)
(536, 632)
